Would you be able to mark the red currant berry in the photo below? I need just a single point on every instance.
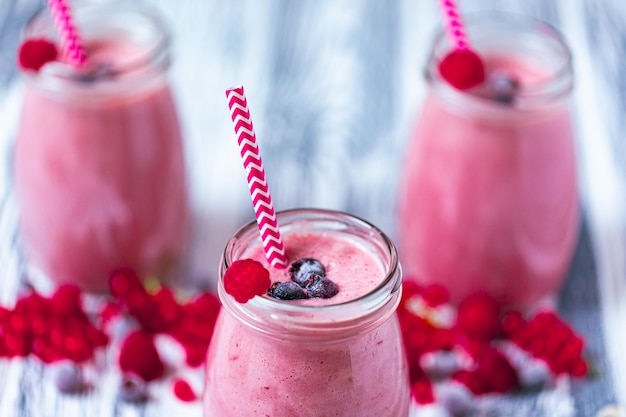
(35, 53)
(122, 281)
(183, 390)
(65, 301)
(579, 368)
(422, 391)
(512, 322)
(245, 279)
(463, 69)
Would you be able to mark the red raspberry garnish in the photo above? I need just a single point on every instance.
(183, 390)
(139, 356)
(462, 68)
(35, 53)
(245, 279)
(478, 316)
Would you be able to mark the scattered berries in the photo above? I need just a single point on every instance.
(183, 390)
(51, 328)
(287, 291)
(320, 287)
(300, 270)
(483, 350)
(139, 356)
(57, 330)
(35, 53)
(546, 336)
(462, 69)
(246, 278)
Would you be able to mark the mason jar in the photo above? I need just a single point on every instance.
(488, 199)
(99, 165)
(312, 357)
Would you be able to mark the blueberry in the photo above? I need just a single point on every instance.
(320, 287)
(133, 389)
(503, 87)
(301, 269)
(287, 291)
(69, 380)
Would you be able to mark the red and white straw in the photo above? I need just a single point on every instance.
(73, 51)
(454, 24)
(259, 190)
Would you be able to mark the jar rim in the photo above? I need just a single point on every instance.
(320, 318)
(556, 85)
(156, 54)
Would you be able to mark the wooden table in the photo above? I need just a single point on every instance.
(334, 87)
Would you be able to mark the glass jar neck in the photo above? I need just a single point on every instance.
(531, 50)
(130, 46)
(289, 321)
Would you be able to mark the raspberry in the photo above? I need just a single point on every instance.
(183, 390)
(478, 316)
(35, 53)
(245, 279)
(462, 69)
(139, 356)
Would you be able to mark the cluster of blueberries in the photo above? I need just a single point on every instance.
(308, 280)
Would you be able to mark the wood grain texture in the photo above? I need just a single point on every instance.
(334, 87)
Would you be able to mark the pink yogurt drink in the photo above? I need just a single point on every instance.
(99, 165)
(342, 356)
(488, 197)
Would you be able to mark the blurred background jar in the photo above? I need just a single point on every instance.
(488, 197)
(99, 164)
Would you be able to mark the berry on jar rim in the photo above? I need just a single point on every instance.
(246, 278)
(35, 53)
(462, 69)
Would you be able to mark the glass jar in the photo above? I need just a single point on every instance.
(99, 164)
(283, 358)
(488, 199)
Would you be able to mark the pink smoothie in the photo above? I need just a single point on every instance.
(99, 171)
(355, 271)
(488, 197)
(249, 374)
